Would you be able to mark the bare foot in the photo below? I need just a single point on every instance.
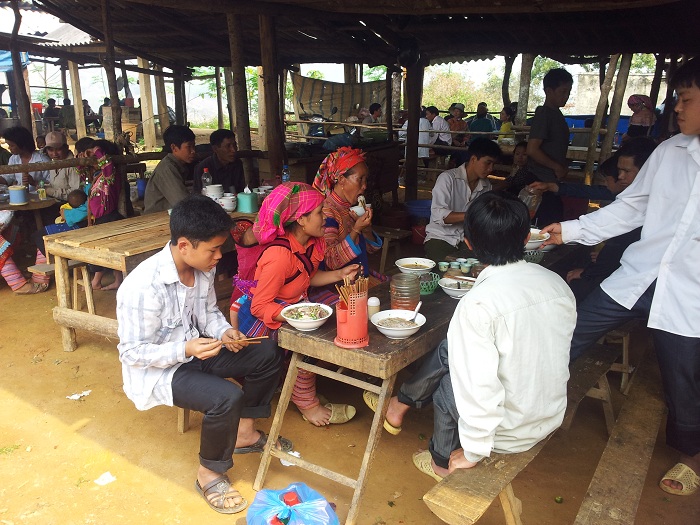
(442, 472)
(396, 412)
(693, 462)
(96, 282)
(112, 286)
(318, 415)
(232, 498)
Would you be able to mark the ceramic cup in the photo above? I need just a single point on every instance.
(443, 266)
(465, 267)
(461, 260)
(455, 265)
(228, 194)
(227, 203)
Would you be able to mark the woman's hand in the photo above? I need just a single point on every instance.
(348, 271)
(361, 223)
(230, 340)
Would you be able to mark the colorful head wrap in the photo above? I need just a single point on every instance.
(286, 203)
(640, 99)
(335, 165)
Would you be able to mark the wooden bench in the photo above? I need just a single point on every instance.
(613, 495)
(463, 496)
(81, 276)
(387, 235)
(621, 336)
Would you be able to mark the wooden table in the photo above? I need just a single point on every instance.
(34, 205)
(383, 358)
(119, 245)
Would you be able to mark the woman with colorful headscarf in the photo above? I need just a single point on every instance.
(289, 229)
(643, 117)
(342, 178)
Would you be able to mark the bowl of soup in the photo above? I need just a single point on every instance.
(416, 265)
(306, 316)
(396, 324)
(536, 239)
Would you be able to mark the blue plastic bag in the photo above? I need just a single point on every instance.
(313, 509)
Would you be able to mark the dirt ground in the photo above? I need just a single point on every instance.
(52, 449)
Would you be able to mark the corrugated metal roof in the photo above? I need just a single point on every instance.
(67, 35)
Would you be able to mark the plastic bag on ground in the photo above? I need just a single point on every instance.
(313, 509)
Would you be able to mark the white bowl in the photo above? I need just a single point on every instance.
(397, 333)
(407, 265)
(455, 293)
(533, 243)
(358, 210)
(306, 325)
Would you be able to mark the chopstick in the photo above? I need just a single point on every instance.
(255, 339)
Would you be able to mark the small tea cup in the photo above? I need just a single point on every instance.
(455, 265)
(465, 267)
(443, 266)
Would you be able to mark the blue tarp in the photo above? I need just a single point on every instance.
(6, 61)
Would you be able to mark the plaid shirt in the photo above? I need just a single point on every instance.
(150, 310)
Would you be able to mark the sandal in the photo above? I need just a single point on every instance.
(423, 462)
(221, 487)
(285, 445)
(683, 474)
(32, 289)
(372, 400)
(340, 413)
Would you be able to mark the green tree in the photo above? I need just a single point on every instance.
(372, 74)
(208, 83)
(443, 87)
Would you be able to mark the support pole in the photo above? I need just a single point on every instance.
(64, 82)
(161, 100)
(616, 105)
(395, 95)
(268, 54)
(239, 99)
(228, 82)
(656, 81)
(24, 110)
(599, 114)
(147, 119)
(666, 118)
(180, 104)
(524, 91)
(262, 111)
(350, 71)
(219, 99)
(108, 64)
(27, 89)
(505, 85)
(389, 104)
(414, 92)
(77, 100)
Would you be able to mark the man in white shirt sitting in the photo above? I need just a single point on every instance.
(453, 191)
(502, 385)
(441, 135)
(658, 276)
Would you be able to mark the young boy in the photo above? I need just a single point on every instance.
(452, 194)
(177, 348)
(658, 276)
(166, 187)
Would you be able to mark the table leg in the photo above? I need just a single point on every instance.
(375, 434)
(37, 220)
(63, 295)
(282, 405)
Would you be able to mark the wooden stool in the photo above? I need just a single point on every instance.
(387, 234)
(622, 336)
(79, 268)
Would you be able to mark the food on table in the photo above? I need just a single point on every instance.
(537, 236)
(311, 312)
(415, 266)
(465, 285)
(396, 322)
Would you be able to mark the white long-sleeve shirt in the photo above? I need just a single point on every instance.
(441, 130)
(665, 200)
(508, 355)
(423, 136)
(452, 193)
(157, 314)
(16, 178)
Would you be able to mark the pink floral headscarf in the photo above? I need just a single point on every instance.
(286, 203)
(335, 165)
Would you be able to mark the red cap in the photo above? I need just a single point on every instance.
(291, 498)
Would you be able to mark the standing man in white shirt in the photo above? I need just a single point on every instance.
(502, 385)
(453, 191)
(658, 276)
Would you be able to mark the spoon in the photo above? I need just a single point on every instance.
(415, 312)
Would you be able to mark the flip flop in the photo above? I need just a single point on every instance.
(259, 445)
(422, 461)
(340, 413)
(683, 474)
(372, 400)
(220, 486)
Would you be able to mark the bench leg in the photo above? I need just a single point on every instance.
(183, 419)
(63, 296)
(87, 285)
(385, 251)
(602, 392)
(76, 299)
(512, 506)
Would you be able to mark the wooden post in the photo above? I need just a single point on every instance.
(616, 105)
(668, 100)
(219, 99)
(27, 89)
(228, 82)
(524, 91)
(180, 103)
(77, 100)
(64, 81)
(505, 92)
(268, 55)
(108, 64)
(147, 119)
(239, 98)
(350, 71)
(414, 92)
(283, 99)
(599, 114)
(389, 103)
(24, 109)
(161, 100)
(656, 82)
(395, 95)
(125, 81)
(262, 111)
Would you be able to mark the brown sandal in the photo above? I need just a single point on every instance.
(33, 288)
(221, 487)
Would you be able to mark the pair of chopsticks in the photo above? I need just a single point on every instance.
(253, 340)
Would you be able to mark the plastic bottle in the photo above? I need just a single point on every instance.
(286, 176)
(373, 306)
(41, 191)
(290, 499)
(206, 180)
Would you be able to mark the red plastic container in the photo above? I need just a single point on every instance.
(352, 322)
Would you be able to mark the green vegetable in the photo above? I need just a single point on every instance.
(559, 499)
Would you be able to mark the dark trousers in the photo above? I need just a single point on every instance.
(678, 356)
(201, 385)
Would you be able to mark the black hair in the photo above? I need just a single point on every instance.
(496, 225)
(609, 167)
(483, 147)
(84, 144)
(688, 75)
(521, 144)
(109, 147)
(106, 101)
(510, 112)
(422, 113)
(66, 102)
(20, 136)
(639, 148)
(77, 196)
(177, 135)
(374, 107)
(433, 110)
(198, 218)
(218, 136)
(51, 101)
(556, 77)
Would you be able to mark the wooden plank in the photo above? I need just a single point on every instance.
(614, 492)
(77, 100)
(147, 119)
(92, 323)
(63, 296)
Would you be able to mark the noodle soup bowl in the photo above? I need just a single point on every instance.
(397, 333)
(416, 265)
(305, 324)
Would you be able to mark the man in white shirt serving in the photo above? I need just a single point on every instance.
(658, 276)
(501, 386)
